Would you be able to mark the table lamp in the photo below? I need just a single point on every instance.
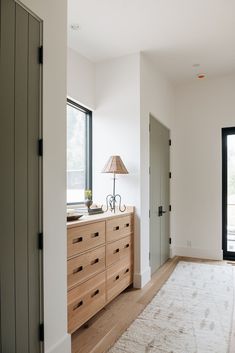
(115, 165)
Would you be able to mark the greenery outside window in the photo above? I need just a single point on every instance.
(79, 152)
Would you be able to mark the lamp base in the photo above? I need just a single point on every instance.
(112, 200)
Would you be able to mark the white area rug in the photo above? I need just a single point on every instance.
(192, 313)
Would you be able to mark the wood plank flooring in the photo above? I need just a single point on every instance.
(103, 330)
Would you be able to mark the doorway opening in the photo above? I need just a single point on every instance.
(228, 192)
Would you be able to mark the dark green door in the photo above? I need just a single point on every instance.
(20, 182)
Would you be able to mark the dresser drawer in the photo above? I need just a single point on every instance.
(81, 267)
(84, 301)
(82, 238)
(118, 227)
(119, 277)
(119, 249)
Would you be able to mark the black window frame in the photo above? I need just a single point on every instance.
(88, 180)
(227, 255)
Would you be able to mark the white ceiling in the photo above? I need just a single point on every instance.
(175, 33)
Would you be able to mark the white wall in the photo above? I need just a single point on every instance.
(116, 126)
(81, 79)
(54, 12)
(116, 129)
(202, 109)
(128, 89)
(157, 98)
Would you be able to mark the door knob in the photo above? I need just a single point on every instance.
(160, 211)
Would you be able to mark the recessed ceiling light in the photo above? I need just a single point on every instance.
(75, 27)
(201, 76)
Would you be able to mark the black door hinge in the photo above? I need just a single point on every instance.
(169, 240)
(170, 208)
(40, 147)
(40, 241)
(40, 54)
(170, 175)
(170, 142)
(41, 332)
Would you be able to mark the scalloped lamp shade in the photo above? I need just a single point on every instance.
(115, 165)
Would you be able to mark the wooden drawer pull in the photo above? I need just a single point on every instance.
(116, 251)
(94, 235)
(78, 269)
(127, 270)
(127, 245)
(127, 225)
(116, 228)
(117, 277)
(76, 306)
(94, 261)
(95, 293)
(77, 240)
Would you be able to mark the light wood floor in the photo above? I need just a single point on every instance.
(107, 326)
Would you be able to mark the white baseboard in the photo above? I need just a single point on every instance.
(141, 279)
(210, 254)
(63, 346)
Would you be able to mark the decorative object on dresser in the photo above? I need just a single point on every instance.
(100, 263)
(95, 210)
(88, 199)
(115, 165)
(72, 215)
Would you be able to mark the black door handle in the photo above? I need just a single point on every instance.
(160, 211)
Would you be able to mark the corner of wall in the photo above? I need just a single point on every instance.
(201, 253)
(63, 346)
(141, 279)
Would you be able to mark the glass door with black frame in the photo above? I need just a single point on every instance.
(228, 207)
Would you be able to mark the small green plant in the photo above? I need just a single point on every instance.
(88, 195)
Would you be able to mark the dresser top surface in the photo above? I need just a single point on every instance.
(86, 219)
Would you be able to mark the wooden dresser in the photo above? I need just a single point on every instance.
(100, 263)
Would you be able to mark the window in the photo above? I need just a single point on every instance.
(79, 152)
